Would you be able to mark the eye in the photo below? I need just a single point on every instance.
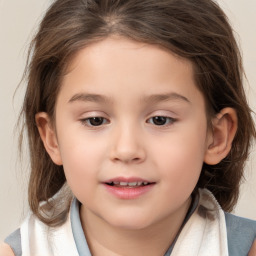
(161, 120)
(94, 121)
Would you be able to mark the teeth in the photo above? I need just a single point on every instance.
(122, 183)
(132, 184)
(129, 184)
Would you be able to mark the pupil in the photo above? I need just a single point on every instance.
(96, 121)
(159, 120)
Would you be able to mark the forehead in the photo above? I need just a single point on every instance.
(118, 65)
(111, 47)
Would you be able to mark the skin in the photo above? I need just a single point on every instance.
(128, 84)
(253, 250)
(5, 250)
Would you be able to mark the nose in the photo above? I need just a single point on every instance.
(128, 145)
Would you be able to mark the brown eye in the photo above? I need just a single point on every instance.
(161, 120)
(94, 121)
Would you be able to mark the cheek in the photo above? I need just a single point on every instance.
(82, 157)
(181, 166)
(180, 157)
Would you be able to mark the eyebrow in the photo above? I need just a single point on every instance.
(89, 97)
(155, 98)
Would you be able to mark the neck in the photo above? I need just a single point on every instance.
(108, 240)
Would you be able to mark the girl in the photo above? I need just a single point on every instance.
(138, 132)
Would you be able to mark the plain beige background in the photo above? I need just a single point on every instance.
(18, 22)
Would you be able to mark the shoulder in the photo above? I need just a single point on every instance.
(241, 233)
(14, 241)
(5, 250)
(239, 224)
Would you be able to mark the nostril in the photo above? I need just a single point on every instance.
(127, 151)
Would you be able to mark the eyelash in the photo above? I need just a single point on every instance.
(87, 121)
(167, 120)
(162, 121)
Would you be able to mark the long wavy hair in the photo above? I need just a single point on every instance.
(197, 30)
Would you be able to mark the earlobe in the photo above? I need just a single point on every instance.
(48, 137)
(224, 127)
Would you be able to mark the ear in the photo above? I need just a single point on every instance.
(48, 136)
(224, 127)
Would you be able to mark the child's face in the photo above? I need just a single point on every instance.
(131, 112)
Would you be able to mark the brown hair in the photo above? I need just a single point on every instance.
(197, 30)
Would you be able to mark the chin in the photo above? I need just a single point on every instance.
(131, 222)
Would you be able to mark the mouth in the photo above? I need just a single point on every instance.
(128, 182)
(125, 184)
(128, 188)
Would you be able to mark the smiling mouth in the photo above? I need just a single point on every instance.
(128, 188)
(123, 184)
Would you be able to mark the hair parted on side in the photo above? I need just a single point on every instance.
(197, 30)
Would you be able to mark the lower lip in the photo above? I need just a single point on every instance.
(128, 192)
